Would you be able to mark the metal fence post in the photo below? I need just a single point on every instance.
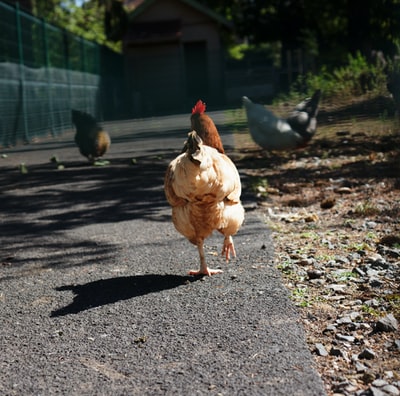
(22, 71)
(68, 66)
(49, 77)
(83, 67)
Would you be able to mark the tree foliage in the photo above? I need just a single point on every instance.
(86, 20)
(330, 29)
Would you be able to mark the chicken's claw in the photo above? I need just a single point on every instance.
(206, 272)
(228, 248)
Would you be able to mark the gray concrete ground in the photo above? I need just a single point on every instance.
(94, 296)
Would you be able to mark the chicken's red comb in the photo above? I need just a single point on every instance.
(199, 107)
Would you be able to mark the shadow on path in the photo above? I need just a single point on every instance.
(109, 291)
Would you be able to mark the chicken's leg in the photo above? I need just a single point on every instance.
(204, 270)
(228, 248)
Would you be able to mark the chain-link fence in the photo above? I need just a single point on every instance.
(45, 72)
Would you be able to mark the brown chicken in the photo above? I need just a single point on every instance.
(203, 187)
(205, 127)
(92, 140)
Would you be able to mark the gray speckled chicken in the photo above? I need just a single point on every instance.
(274, 133)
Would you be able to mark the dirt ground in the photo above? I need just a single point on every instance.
(334, 208)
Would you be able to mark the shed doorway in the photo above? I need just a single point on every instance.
(196, 70)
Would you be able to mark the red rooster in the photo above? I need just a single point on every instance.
(205, 127)
(203, 187)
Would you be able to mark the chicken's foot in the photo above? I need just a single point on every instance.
(228, 248)
(204, 270)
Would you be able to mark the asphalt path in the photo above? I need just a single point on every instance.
(94, 293)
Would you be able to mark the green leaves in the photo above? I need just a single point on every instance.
(86, 21)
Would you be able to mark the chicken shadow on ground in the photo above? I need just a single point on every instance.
(109, 291)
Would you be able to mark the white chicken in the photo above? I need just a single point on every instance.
(274, 133)
(203, 187)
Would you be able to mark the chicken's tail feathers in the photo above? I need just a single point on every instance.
(310, 105)
(199, 107)
(193, 142)
(314, 101)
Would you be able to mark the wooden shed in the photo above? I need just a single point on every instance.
(173, 56)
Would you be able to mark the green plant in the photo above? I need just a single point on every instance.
(325, 257)
(367, 309)
(341, 275)
(309, 235)
(285, 267)
(259, 185)
(355, 78)
(300, 296)
(394, 303)
(359, 246)
(366, 208)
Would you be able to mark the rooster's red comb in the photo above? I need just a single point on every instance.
(199, 107)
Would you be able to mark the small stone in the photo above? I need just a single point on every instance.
(330, 329)
(391, 390)
(314, 274)
(372, 303)
(389, 374)
(359, 271)
(342, 337)
(367, 354)
(391, 252)
(351, 388)
(365, 326)
(360, 368)
(344, 190)
(387, 324)
(375, 282)
(376, 391)
(328, 243)
(317, 282)
(305, 261)
(344, 320)
(377, 260)
(368, 377)
(328, 203)
(336, 352)
(372, 273)
(379, 383)
(336, 287)
(342, 259)
(396, 344)
(371, 224)
(355, 315)
(321, 350)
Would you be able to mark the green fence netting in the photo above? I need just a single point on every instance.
(45, 71)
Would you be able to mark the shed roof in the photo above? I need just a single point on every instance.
(142, 7)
